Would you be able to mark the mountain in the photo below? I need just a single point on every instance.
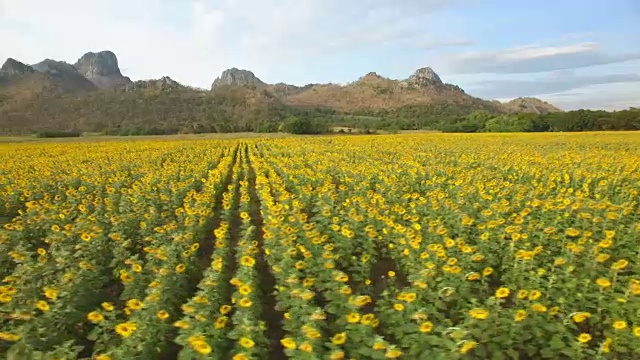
(20, 84)
(237, 77)
(64, 76)
(94, 95)
(102, 69)
(163, 84)
(529, 105)
(13, 68)
(372, 91)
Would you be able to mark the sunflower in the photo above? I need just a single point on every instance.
(580, 316)
(126, 329)
(9, 337)
(478, 313)
(306, 347)
(571, 232)
(602, 282)
(520, 315)
(353, 318)
(51, 294)
(95, 317)
(245, 302)
(340, 338)
(426, 327)
(247, 261)
(362, 300)
(221, 322)
(502, 293)
(246, 343)
(337, 355)
(538, 308)
(584, 338)
(43, 306)
(180, 268)
(107, 306)
(345, 290)
(224, 309)
(473, 276)
(245, 289)
(288, 343)
(468, 345)
(201, 347)
(135, 304)
(619, 324)
(181, 324)
(534, 295)
(368, 319)
(162, 315)
(393, 353)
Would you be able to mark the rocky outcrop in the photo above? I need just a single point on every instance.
(424, 77)
(237, 77)
(371, 78)
(102, 69)
(64, 74)
(529, 105)
(13, 68)
(163, 84)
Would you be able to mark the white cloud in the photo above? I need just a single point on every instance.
(146, 45)
(538, 52)
(605, 97)
(504, 88)
(193, 41)
(535, 58)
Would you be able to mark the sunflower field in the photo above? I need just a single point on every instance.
(413, 246)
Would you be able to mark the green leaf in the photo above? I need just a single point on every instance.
(547, 353)
(556, 343)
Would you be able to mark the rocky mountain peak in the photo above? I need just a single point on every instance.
(102, 69)
(531, 105)
(13, 67)
(425, 76)
(165, 83)
(55, 67)
(237, 77)
(371, 77)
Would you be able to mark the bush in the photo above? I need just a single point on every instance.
(58, 134)
(301, 125)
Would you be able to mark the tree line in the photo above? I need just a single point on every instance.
(249, 110)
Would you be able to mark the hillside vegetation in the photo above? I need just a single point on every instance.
(93, 96)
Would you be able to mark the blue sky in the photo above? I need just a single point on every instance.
(575, 54)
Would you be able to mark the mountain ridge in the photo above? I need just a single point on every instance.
(93, 94)
(100, 71)
(373, 91)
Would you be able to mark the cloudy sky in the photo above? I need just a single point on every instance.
(573, 53)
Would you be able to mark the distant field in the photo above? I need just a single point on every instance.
(98, 137)
(245, 246)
